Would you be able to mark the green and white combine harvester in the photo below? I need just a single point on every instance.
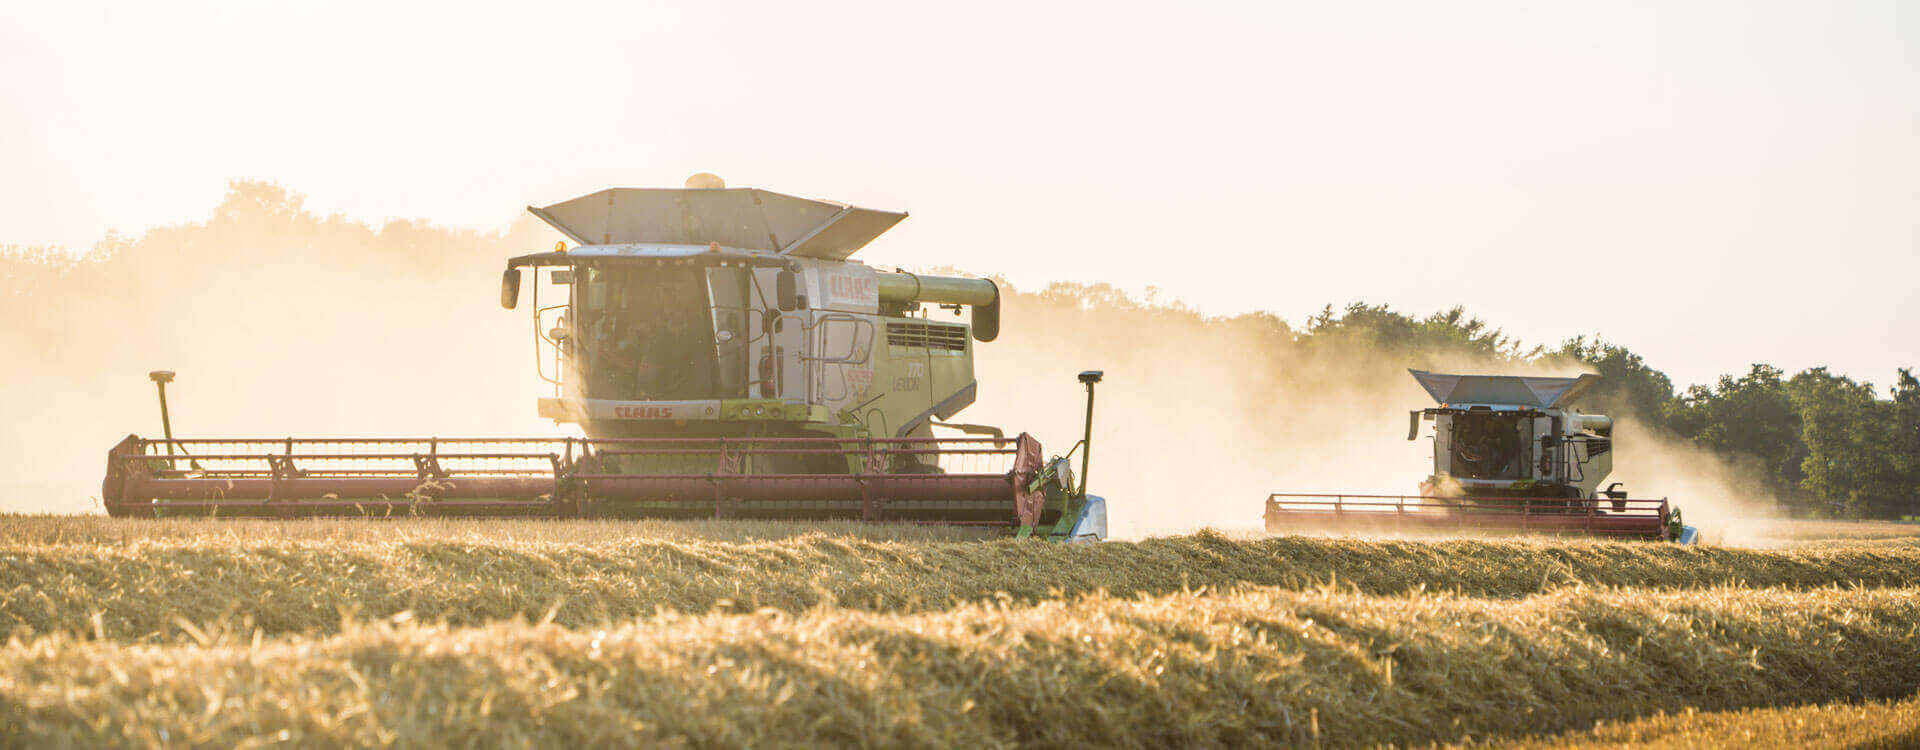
(1510, 453)
(723, 356)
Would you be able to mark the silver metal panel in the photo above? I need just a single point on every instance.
(845, 234)
(562, 228)
(1541, 393)
(744, 218)
(637, 251)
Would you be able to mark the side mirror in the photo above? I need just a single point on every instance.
(786, 290)
(1413, 425)
(510, 288)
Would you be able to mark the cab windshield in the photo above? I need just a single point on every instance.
(643, 333)
(1490, 445)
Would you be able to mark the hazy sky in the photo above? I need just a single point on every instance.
(1712, 184)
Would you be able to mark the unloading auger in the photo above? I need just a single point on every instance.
(1510, 453)
(724, 359)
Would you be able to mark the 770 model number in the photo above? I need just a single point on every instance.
(916, 372)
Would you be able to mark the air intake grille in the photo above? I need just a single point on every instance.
(928, 336)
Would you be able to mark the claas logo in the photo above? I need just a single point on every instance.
(853, 287)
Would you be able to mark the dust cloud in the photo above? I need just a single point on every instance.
(282, 322)
(1199, 419)
(1721, 496)
(277, 321)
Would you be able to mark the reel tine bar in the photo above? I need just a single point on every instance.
(967, 480)
(1618, 518)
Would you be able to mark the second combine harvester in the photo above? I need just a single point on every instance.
(1510, 453)
(724, 358)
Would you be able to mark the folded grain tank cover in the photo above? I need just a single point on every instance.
(742, 218)
(1504, 390)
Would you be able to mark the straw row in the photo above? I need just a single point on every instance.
(136, 590)
(1186, 669)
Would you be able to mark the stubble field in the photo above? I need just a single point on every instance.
(432, 632)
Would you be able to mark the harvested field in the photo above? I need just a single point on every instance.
(1265, 665)
(299, 577)
(1868, 725)
(539, 632)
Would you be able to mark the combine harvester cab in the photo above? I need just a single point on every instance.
(723, 357)
(1510, 454)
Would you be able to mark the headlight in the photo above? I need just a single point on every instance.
(723, 336)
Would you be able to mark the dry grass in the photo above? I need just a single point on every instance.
(135, 579)
(1869, 725)
(1210, 669)
(416, 632)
